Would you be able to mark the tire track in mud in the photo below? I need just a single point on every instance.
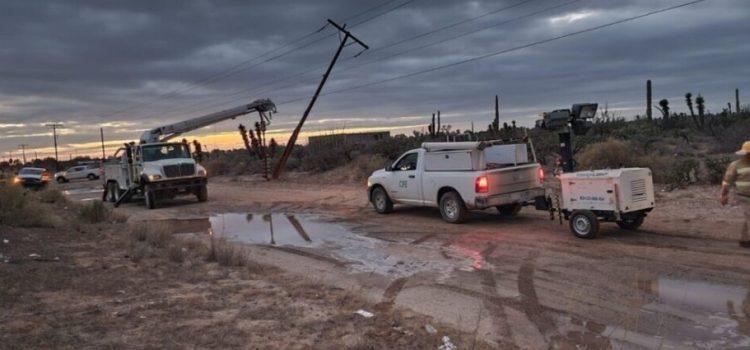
(489, 287)
(391, 292)
(529, 300)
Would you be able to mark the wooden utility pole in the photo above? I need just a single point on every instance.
(101, 134)
(54, 127)
(293, 139)
(23, 151)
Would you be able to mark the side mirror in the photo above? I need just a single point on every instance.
(388, 167)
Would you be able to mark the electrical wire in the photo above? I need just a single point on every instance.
(239, 66)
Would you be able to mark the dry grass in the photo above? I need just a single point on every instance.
(94, 212)
(610, 154)
(155, 234)
(51, 195)
(23, 208)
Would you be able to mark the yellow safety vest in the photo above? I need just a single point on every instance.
(741, 177)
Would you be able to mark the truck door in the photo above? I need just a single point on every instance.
(406, 186)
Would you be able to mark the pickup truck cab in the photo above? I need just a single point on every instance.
(458, 177)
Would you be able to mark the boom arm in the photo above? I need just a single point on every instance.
(166, 132)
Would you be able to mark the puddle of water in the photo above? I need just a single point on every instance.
(691, 314)
(313, 235)
(75, 191)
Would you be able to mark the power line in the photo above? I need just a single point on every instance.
(500, 52)
(237, 68)
(306, 45)
(421, 35)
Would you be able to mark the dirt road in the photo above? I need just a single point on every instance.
(681, 282)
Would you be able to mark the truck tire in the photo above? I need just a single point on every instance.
(91, 177)
(631, 223)
(509, 210)
(584, 224)
(202, 193)
(61, 180)
(380, 201)
(452, 208)
(150, 197)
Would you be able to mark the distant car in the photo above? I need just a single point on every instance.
(32, 177)
(78, 172)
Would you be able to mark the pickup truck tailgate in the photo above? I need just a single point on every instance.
(506, 180)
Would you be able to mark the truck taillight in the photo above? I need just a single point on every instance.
(481, 185)
(541, 175)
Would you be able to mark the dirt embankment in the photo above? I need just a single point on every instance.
(103, 286)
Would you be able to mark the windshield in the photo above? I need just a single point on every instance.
(166, 151)
(31, 172)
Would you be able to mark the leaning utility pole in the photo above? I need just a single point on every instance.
(293, 139)
(23, 151)
(54, 127)
(101, 134)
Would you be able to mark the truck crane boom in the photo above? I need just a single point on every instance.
(167, 132)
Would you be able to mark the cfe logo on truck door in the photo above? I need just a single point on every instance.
(403, 184)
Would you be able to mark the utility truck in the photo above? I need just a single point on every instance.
(156, 168)
(457, 177)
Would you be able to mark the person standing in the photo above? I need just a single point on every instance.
(738, 176)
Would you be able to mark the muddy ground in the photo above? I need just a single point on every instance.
(681, 282)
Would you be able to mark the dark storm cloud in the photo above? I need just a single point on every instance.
(81, 61)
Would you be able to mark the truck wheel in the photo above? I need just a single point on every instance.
(380, 201)
(91, 177)
(584, 224)
(113, 193)
(150, 197)
(202, 193)
(61, 180)
(509, 210)
(452, 208)
(631, 223)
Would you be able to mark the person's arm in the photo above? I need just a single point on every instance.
(729, 178)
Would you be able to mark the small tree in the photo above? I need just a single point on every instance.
(689, 101)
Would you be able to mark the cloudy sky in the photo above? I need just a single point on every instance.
(128, 66)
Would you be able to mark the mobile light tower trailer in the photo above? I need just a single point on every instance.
(156, 168)
(586, 198)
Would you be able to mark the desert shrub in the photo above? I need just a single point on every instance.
(51, 195)
(225, 253)
(681, 172)
(19, 207)
(94, 212)
(391, 148)
(156, 234)
(715, 168)
(216, 166)
(176, 253)
(324, 159)
(610, 154)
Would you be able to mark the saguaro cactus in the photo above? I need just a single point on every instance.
(438, 122)
(496, 122)
(689, 101)
(701, 103)
(737, 107)
(649, 114)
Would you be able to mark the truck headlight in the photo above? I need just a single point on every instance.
(154, 177)
(202, 172)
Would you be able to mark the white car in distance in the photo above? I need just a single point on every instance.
(78, 172)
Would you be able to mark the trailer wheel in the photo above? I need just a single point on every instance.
(584, 224)
(380, 200)
(202, 193)
(452, 208)
(150, 197)
(509, 210)
(631, 223)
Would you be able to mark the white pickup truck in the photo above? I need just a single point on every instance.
(458, 177)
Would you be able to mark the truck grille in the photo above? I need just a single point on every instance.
(638, 190)
(179, 170)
